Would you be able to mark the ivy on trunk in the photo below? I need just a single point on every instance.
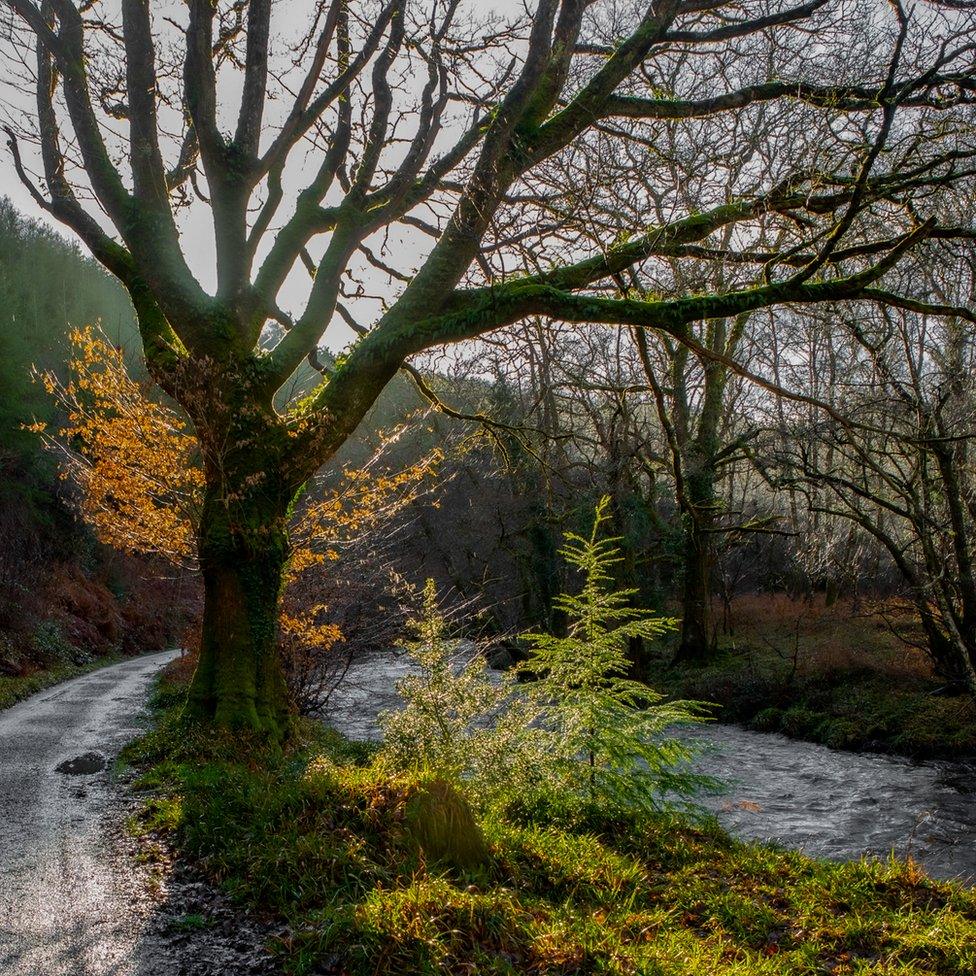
(243, 549)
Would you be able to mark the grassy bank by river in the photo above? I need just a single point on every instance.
(317, 839)
(833, 675)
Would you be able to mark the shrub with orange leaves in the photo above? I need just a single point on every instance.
(134, 458)
(137, 462)
(342, 593)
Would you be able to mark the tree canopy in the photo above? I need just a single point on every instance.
(560, 163)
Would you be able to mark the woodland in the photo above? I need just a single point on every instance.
(610, 362)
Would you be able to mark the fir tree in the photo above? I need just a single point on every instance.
(613, 749)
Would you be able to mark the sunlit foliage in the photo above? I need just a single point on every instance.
(457, 720)
(579, 730)
(133, 457)
(136, 461)
(611, 732)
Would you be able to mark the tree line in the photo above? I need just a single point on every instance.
(668, 199)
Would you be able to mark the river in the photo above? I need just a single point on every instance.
(827, 803)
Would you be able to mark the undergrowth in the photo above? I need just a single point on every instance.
(828, 674)
(856, 709)
(317, 836)
(15, 688)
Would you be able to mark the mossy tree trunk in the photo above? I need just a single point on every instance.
(694, 436)
(239, 682)
(698, 508)
(697, 630)
(952, 659)
(243, 547)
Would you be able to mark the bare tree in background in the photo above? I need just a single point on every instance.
(333, 145)
(898, 465)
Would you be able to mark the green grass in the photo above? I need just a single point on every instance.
(16, 689)
(192, 922)
(315, 837)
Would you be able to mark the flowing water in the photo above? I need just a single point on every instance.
(841, 804)
(827, 803)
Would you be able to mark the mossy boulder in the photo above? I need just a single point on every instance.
(440, 821)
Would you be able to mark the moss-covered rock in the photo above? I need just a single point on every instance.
(441, 823)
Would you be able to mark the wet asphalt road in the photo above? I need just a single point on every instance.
(67, 898)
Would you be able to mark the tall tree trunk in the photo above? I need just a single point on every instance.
(694, 457)
(698, 517)
(951, 650)
(696, 642)
(243, 547)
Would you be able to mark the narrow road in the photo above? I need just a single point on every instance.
(67, 900)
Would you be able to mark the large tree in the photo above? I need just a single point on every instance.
(349, 122)
(897, 464)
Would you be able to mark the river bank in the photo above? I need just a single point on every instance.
(68, 619)
(825, 802)
(836, 675)
(315, 839)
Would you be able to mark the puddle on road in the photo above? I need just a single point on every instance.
(85, 765)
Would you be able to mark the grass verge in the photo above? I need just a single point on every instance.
(318, 839)
(16, 688)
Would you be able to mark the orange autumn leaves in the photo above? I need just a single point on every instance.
(363, 502)
(136, 461)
